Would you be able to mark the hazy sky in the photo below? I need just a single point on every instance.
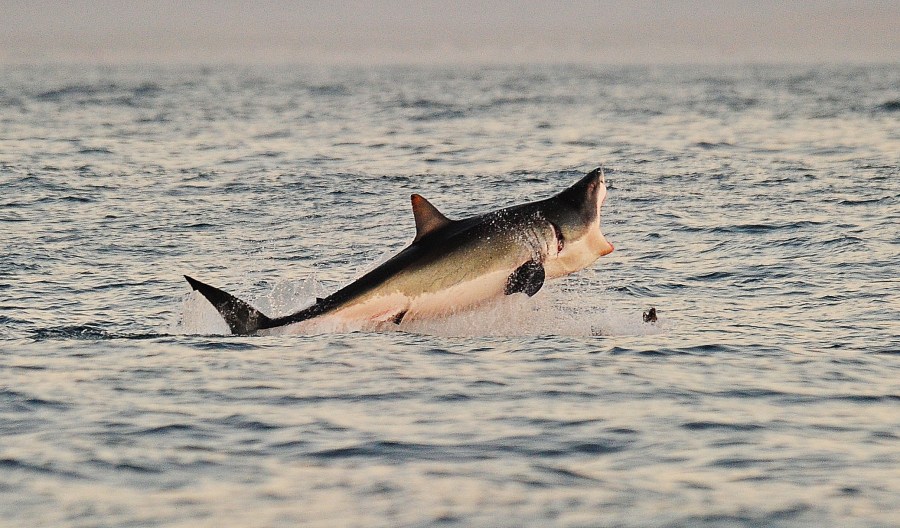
(376, 31)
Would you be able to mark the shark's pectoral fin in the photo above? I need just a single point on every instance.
(241, 317)
(398, 317)
(528, 279)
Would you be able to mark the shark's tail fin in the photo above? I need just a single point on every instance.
(242, 318)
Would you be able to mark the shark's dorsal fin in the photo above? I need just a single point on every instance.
(428, 218)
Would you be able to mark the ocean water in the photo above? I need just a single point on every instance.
(756, 208)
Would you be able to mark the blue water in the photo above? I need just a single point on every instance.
(755, 207)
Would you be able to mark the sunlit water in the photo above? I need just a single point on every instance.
(756, 208)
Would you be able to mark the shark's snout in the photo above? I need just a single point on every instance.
(608, 249)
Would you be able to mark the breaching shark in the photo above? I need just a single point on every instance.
(453, 265)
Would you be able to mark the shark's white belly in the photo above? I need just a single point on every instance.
(449, 300)
(383, 309)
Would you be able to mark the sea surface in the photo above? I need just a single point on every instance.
(757, 208)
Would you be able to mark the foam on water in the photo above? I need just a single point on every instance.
(199, 317)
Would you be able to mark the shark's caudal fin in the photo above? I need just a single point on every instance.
(241, 317)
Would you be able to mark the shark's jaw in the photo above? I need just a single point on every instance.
(578, 254)
(589, 244)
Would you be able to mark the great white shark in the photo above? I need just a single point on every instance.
(453, 265)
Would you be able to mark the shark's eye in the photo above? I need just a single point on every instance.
(560, 239)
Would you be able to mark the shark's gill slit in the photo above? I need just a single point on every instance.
(560, 239)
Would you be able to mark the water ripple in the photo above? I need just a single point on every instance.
(753, 207)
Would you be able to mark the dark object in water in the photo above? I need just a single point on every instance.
(650, 316)
(890, 106)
